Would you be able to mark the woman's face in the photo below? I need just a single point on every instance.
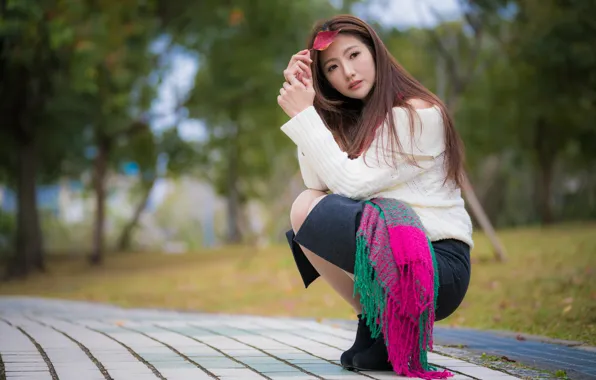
(349, 66)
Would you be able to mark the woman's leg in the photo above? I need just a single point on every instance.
(337, 278)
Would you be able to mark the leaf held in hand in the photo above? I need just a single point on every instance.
(324, 39)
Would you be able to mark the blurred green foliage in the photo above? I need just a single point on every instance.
(79, 81)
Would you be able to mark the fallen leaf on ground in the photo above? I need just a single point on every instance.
(567, 309)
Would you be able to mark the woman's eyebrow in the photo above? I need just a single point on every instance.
(344, 52)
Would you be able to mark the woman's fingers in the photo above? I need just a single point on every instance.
(301, 56)
(299, 70)
(285, 86)
(305, 68)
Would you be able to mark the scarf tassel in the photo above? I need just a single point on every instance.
(398, 291)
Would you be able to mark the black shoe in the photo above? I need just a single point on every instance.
(362, 342)
(375, 358)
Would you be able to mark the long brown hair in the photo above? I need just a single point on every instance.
(354, 122)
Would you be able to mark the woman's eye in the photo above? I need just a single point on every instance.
(354, 54)
(331, 68)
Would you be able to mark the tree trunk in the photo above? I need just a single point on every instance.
(234, 205)
(126, 236)
(482, 219)
(491, 186)
(233, 194)
(546, 156)
(29, 251)
(544, 184)
(99, 178)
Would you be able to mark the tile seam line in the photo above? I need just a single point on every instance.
(150, 366)
(521, 348)
(39, 348)
(254, 347)
(213, 348)
(171, 348)
(86, 350)
(2, 369)
(442, 354)
(339, 348)
(528, 355)
(298, 348)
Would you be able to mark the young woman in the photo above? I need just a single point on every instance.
(365, 129)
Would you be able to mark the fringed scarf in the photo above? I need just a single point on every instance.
(397, 279)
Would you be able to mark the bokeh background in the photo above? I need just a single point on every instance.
(141, 161)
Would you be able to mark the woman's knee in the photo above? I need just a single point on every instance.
(302, 206)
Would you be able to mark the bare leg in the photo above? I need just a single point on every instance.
(341, 281)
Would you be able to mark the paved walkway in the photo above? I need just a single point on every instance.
(523, 355)
(52, 339)
(578, 361)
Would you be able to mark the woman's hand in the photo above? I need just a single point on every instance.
(297, 92)
(296, 96)
(299, 66)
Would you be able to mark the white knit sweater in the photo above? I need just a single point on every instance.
(324, 166)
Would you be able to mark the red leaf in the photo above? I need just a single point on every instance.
(324, 39)
(520, 337)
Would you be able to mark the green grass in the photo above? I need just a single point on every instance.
(547, 287)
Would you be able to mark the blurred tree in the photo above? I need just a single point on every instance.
(546, 84)
(91, 61)
(36, 38)
(144, 150)
(112, 69)
(240, 73)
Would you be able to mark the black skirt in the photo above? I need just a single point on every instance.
(330, 232)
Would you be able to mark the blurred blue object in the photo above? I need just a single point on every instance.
(130, 168)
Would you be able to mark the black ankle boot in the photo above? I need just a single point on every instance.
(375, 358)
(362, 342)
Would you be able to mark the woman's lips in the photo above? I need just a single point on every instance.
(355, 85)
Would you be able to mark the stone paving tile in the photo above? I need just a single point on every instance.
(578, 363)
(29, 375)
(88, 341)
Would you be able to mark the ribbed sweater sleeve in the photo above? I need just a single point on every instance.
(309, 176)
(355, 178)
